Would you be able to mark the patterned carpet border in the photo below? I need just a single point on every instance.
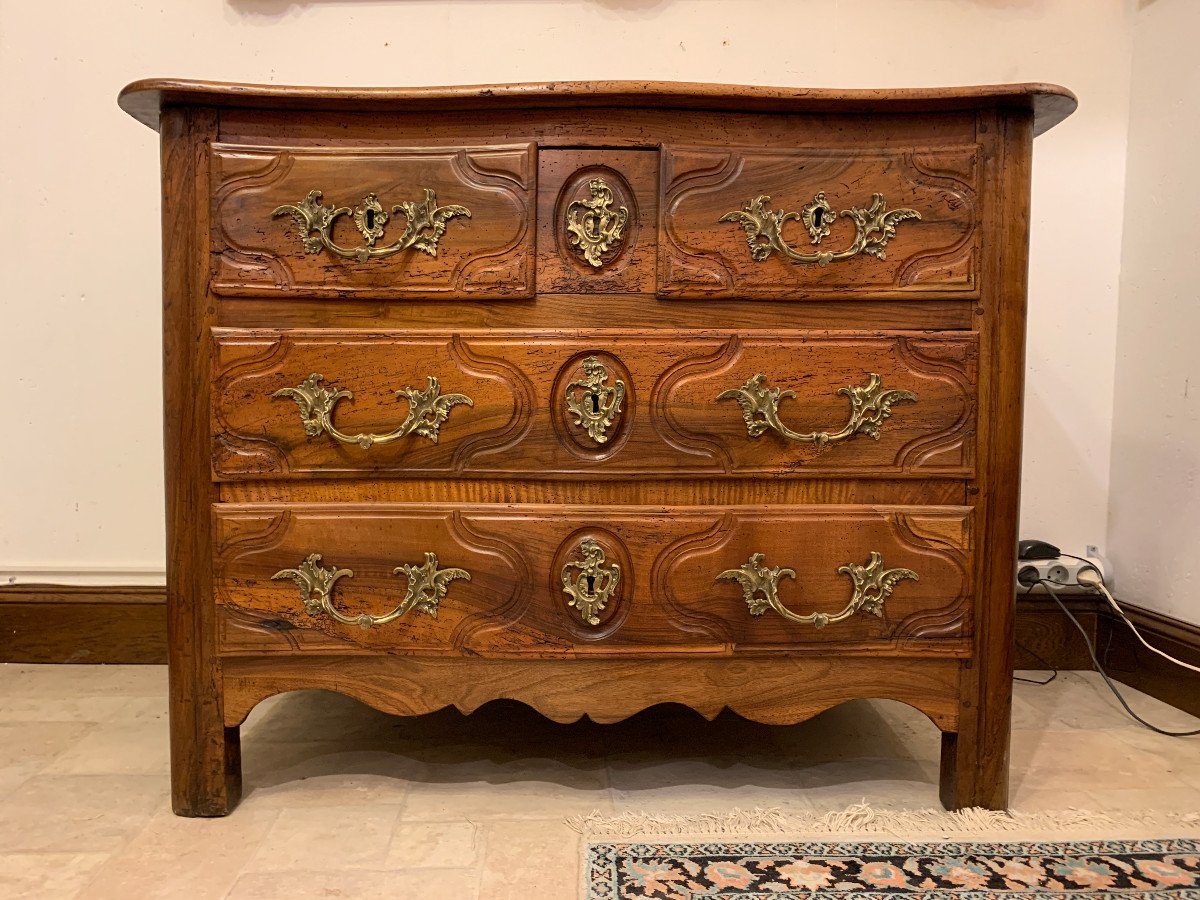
(879, 870)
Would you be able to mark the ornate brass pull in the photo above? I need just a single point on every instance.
(869, 406)
(593, 583)
(593, 226)
(873, 228)
(593, 404)
(872, 586)
(427, 585)
(426, 224)
(427, 410)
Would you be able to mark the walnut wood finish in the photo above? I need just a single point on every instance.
(145, 99)
(206, 771)
(671, 423)
(632, 492)
(773, 691)
(668, 601)
(975, 759)
(937, 254)
(679, 312)
(489, 254)
(564, 177)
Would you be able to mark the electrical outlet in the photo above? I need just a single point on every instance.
(1063, 570)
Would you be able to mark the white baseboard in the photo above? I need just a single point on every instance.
(146, 576)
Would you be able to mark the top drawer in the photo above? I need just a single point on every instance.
(447, 222)
(820, 223)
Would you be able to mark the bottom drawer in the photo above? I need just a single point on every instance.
(529, 580)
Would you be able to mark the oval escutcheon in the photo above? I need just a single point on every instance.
(592, 573)
(597, 215)
(593, 399)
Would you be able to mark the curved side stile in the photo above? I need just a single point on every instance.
(772, 691)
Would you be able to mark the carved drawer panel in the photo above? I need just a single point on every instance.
(336, 222)
(820, 223)
(592, 404)
(597, 220)
(562, 580)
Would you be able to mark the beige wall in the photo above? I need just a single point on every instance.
(79, 347)
(1154, 513)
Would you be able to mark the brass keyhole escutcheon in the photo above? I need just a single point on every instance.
(590, 581)
(592, 402)
(595, 226)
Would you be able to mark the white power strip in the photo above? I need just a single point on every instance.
(1064, 570)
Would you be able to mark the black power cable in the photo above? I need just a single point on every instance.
(1035, 655)
(1051, 587)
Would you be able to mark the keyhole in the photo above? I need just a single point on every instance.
(595, 403)
(591, 582)
(370, 217)
(818, 216)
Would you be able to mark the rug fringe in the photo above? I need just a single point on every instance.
(862, 818)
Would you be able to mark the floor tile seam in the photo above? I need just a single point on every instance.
(243, 870)
(91, 726)
(247, 866)
(129, 842)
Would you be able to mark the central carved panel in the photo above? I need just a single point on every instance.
(597, 220)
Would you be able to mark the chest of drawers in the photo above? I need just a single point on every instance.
(594, 396)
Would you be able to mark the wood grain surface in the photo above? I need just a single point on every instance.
(486, 254)
(1050, 103)
(773, 691)
(206, 774)
(678, 491)
(668, 599)
(935, 254)
(671, 423)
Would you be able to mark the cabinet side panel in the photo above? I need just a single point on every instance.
(976, 759)
(205, 764)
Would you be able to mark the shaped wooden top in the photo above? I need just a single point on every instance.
(1050, 103)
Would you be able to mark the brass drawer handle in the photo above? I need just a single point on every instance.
(427, 585)
(872, 586)
(590, 581)
(593, 226)
(873, 228)
(869, 406)
(593, 404)
(426, 224)
(427, 410)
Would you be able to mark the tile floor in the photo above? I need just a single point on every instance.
(342, 801)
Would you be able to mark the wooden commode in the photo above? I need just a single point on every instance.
(593, 396)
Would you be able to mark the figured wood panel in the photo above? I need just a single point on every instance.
(629, 491)
(667, 599)
(488, 255)
(776, 691)
(585, 310)
(937, 254)
(671, 423)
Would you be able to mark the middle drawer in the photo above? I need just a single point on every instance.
(294, 403)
